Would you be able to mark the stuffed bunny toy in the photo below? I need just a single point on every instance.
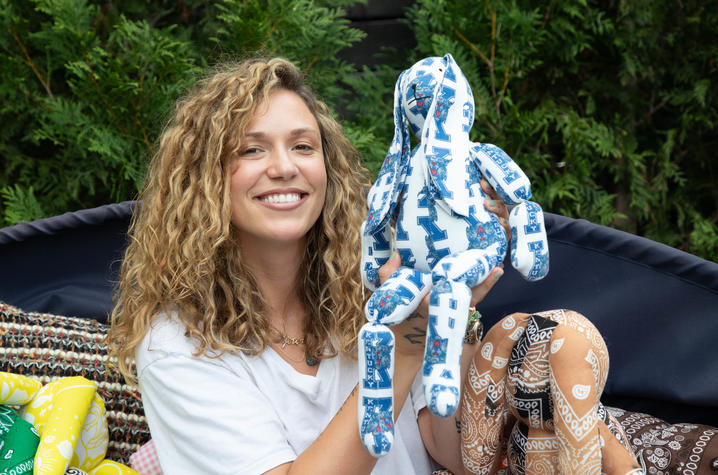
(427, 203)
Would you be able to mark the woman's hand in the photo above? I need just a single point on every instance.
(411, 333)
(497, 206)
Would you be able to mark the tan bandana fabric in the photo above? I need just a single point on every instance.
(531, 400)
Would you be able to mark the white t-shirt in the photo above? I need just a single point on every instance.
(239, 414)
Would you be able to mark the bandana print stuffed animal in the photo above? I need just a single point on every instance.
(427, 204)
(533, 398)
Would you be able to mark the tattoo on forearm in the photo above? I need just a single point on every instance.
(356, 388)
(458, 424)
(416, 338)
(414, 315)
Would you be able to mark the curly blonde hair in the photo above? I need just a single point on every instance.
(183, 252)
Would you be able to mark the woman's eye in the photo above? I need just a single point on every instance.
(250, 151)
(303, 147)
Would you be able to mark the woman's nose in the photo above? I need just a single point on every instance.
(282, 164)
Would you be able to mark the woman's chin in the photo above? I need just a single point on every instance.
(285, 236)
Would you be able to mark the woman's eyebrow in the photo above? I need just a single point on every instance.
(255, 135)
(304, 130)
(293, 133)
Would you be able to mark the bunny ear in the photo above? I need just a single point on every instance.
(384, 194)
(445, 138)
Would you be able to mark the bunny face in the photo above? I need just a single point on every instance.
(417, 91)
(420, 87)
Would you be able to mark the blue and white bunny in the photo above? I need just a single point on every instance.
(427, 204)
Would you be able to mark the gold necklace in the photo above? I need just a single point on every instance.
(296, 341)
(286, 340)
(281, 348)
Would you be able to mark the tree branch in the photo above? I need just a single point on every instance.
(472, 47)
(30, 63)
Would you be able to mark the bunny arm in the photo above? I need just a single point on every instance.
(504, 175)
(529, 244)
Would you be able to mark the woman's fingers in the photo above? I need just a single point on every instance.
(486, 186)
(496, 205)
(391, 266)
(479, 292)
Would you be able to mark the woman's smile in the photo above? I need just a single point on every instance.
(281, 198)
(284, 197)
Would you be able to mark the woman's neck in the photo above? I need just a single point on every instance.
(276, 271)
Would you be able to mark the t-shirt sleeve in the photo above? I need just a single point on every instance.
(206, 418)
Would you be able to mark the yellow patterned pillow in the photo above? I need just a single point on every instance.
(69, 417)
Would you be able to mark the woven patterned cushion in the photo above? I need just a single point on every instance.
(48, 347)
(663, 448)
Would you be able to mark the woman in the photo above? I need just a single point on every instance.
(240, 296)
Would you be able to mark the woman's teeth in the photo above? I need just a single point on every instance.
(281, 198)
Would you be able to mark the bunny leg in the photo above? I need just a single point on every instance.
(376, 389)
(390, 304)
(448, 312)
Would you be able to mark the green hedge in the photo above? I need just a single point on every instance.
(609, 106)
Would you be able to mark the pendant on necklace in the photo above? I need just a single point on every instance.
(286, 340)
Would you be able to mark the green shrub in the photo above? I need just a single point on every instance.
(85, 89)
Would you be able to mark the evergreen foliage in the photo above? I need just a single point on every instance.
(609, 106)
(85, 89)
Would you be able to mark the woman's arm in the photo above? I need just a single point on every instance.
(339, 448)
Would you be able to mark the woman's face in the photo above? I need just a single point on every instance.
(278, 181)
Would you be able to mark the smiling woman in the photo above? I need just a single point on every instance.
(240, 296)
